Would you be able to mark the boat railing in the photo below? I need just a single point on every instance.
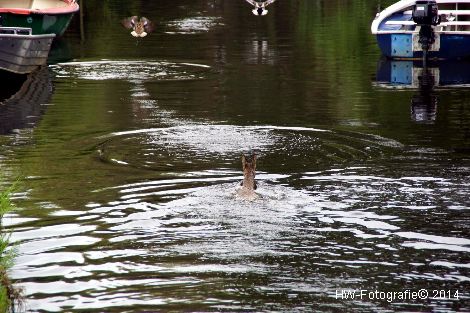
(16, 30)
(455, 12)
(445, 12)
(411, 23)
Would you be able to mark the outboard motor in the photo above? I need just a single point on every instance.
(426, 15)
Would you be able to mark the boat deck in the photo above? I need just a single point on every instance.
(397, 21)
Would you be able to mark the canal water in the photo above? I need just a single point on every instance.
(128, 155)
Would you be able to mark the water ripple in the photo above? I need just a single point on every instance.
(194, 25)
(191, 143)
(130, 70)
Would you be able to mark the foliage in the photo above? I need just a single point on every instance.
(5, 202)
(10, 296)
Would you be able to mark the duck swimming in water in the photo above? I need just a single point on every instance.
(248, 187)
(260, 6)
(140, 28)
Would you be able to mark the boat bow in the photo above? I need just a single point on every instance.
(39, 7)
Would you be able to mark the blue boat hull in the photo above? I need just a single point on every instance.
(400, 46)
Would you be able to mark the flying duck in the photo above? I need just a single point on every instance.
(260, 6)
(140, 28)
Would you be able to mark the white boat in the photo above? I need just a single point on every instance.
(398, 34)
(21, 52)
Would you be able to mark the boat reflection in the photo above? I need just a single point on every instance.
(22, 99)
(424, 103)
(426, 80)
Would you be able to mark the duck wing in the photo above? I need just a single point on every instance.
(148, 25)
(252, 2)
(268, 2)
(129, 22)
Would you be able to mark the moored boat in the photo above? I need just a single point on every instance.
(42, 16)
(22, 52)
(399, 35)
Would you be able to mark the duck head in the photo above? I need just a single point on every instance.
(140, 27)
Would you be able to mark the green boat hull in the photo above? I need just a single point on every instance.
(40, 23)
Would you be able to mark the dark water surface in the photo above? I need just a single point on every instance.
(130, 153)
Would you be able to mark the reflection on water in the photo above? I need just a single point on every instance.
(128, 70)
(411, 74)
(286, 145)
(128, 202)
(193, 25)
(192, 232)
(259, 52)
(406, 74)
(424, 104)
(23, 99)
